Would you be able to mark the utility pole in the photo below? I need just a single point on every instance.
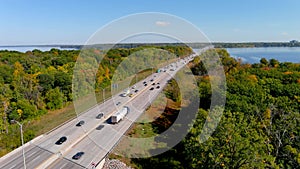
(22, 140)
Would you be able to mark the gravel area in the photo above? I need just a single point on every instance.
(115, 164)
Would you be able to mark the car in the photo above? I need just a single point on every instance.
(136, 91)
(158, 83)
(130, 95)
(151, 88)
(151, 80)
(100, 127)
(153, 83)
(145, 84)
(61, 140)
(118, 103)
(78, 155)
(157, 87)
(80, 123)
(99, 116)
(133, 87)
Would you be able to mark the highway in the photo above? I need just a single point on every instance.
(94, 141)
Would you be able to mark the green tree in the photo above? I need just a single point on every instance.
(236, 143)
(274, 62)
(5, 96)
(264, 61)
(54, 99)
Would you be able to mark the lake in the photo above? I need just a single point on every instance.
(30, 48)
(253, 55)
(248, 55)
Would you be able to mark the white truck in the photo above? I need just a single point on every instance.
(119, 115)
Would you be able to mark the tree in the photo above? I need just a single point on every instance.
(274, 63)
(264, 61)
(236, 143)
(46, 81)
(54, 99)
(23, 109)
(5, 96)
(64, 82)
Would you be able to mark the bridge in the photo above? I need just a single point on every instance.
(96, 137)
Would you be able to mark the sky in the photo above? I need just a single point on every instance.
(40, 22)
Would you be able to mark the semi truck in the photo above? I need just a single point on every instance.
(119, 115)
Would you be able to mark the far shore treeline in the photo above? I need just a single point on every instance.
(293, 43)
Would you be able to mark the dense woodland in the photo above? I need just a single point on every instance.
(35, 82)
(259, 127)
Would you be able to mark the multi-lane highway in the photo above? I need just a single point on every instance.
(96, 137)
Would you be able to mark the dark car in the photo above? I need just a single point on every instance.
(78, 155)
(61, 140)
(118, 103)
(80, 123)
(151, 88)
(136, 91)
(153, 83)
(100, 127)
(158, 83)
(145, 84)
(151, 80)
(157, 87)
(99, 116)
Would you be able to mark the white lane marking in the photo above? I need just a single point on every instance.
(61, 167)
(13, 166)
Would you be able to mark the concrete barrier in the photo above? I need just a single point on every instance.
(15, 151)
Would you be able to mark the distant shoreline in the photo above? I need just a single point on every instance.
(193, 45)
(134, 45)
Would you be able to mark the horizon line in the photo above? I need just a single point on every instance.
(58, 45)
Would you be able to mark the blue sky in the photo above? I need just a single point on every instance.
(73, 22)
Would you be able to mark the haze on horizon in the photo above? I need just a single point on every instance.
(34, 22)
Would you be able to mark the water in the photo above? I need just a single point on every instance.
(30, 48)
(253, 55)
(248, 55)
